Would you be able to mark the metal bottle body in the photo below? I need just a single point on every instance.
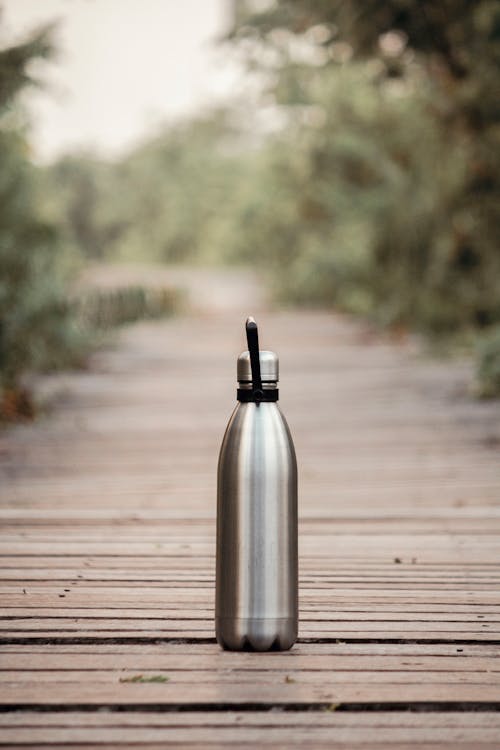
(257, 559)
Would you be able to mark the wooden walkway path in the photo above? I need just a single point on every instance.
(107, 509)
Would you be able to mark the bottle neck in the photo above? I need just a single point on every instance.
(268, 393)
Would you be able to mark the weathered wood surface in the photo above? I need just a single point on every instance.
(107, 509)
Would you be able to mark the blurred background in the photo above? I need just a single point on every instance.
(349, 152)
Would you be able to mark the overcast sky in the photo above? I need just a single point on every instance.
(123, 67)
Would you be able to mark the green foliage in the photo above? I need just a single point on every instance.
(36, 330)
(41, 327)
(488, 370)
(171, 199)
(75, 198)
(327, 181)
(396, 122)
(14, 63)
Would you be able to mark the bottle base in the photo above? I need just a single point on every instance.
(256, 634)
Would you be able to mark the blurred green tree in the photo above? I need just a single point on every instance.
(395, 108)
(74, 198)
(36, 331)
(170, 199)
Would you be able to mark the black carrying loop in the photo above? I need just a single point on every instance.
(253, 348)
(268, 394)
(257, 393)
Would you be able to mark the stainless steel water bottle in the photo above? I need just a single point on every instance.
(256, 567)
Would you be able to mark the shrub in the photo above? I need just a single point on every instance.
(488, 368)
(37, 330)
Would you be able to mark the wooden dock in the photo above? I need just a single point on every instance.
(107, 549)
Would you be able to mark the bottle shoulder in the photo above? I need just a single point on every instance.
(264, 422)
(250, 412)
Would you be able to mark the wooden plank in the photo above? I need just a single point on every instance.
(433, 548)
(343, 625)
(263, 719)
(181, 661)
(284, 745)
(202, 649)
(257, 736)
(27, 518)
(233, 692)
(308, 614)
(194, 598)
(221, 676)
